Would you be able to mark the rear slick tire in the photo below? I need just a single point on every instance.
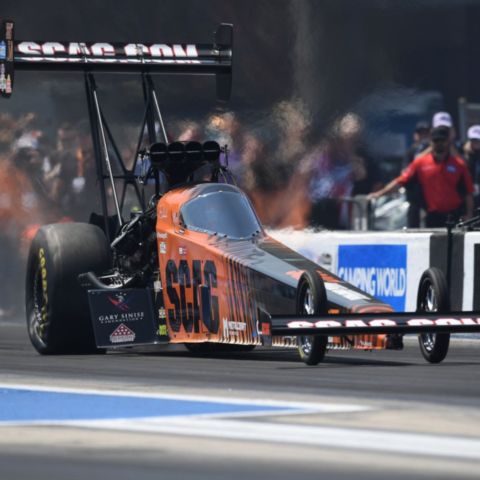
(58, 315)
(311, 300)
(433, 297)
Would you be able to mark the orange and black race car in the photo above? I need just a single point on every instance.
(198, 268)
(193, 265)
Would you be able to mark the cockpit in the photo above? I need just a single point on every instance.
(223, 210)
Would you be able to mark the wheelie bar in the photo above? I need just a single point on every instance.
(370, 323)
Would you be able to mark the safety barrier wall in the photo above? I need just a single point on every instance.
(389, 265)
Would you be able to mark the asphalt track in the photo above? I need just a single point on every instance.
(410, 419)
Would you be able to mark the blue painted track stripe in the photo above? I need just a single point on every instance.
(35, 405)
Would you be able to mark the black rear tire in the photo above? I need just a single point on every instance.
(311, 300)
(433, 297)
(58, 316)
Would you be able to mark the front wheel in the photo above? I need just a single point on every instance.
(433, 297)
(311, 300)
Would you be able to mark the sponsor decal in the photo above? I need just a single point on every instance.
(379, 270)
(451, 169)
(119, 301)
(233, 328)
(183, 306)
(162, 235)
(9, 51)
(182, 250)
(162, 331)
(161, 313)
(3, 78)
(122, 317)
(122, 334)
(344, 291)
(163, 248)
(102, 52)
(9, 30)
(141, 317)
(3, 50)
(385, 322)
(43, 279)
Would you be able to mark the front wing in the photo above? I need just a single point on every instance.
(370, 323)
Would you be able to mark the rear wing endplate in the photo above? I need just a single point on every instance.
(165, 58)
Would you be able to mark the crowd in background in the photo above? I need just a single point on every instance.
(43, 179)
(293, 177)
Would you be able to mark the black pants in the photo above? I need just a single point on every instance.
(438, 220)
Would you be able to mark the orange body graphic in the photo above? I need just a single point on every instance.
(208, 286)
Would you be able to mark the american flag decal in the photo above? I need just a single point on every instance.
(122, 334)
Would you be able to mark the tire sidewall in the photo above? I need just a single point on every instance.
(319, 297)
(435, 278)
(58, 254)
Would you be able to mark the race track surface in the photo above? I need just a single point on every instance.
(358, 414)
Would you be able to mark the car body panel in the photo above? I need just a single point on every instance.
(243, 275)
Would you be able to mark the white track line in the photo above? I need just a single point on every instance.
(330, 437)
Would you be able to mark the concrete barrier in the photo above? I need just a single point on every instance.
(389, 265)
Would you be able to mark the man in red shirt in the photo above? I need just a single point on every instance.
(444, 179)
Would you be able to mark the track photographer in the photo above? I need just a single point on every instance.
(444, 179)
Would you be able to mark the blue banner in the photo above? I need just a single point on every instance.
(380, 270)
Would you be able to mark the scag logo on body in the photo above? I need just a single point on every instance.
(183, 281)
(380, 270)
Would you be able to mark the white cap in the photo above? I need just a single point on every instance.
(442, 119)
(474, 132)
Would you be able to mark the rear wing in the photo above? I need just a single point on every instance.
(166, 58)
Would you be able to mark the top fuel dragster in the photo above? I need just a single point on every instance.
(195, 265)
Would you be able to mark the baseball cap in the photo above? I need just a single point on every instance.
(442, 119)
(440, 133)
(474, 132)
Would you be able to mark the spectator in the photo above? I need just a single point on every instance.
(340, 167)
(444, 119)
(421, 140)
(444, 179)
(471, 150)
